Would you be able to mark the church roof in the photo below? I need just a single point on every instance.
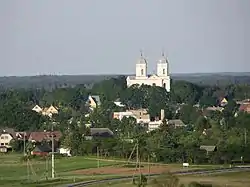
(163, 59)
(142, 60)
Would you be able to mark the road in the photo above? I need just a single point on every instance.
(193, 172)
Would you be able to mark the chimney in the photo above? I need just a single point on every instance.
(162, 114)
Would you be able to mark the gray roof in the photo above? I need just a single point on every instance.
(101, 132)
(141, 60)
(209, 148)
(163, 59)
(176, 123)
(97, 99)
(42, 148)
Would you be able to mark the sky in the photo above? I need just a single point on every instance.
(105, 37)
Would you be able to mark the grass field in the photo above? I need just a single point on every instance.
(240, 179)
(14, 172)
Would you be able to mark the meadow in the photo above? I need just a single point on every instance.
(239, 179)
(14, 171)
(37, 172)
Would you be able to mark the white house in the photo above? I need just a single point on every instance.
(153, 125)
(141, 115)
(65, 151)
(5, 139)
(37, 109)
(161, 79)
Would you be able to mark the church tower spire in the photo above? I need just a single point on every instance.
(162, 66)
(141, 67)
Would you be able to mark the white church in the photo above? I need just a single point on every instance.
(161, 79)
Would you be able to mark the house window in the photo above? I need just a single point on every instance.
(2, 143)
(142, 72)
(2, 137)
(6, 137)
(164, 85)
(6, 143)
(154, 84)
(163, 72)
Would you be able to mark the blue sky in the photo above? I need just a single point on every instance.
(105, 37)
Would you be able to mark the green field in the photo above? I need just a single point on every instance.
(37, 172)
(13, 171)
(239, 179)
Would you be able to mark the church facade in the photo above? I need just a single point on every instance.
(161, 78)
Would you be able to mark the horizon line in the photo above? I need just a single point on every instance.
(121, 74)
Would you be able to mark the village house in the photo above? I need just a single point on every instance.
(44, 148)
(223, 101)
(153, 125)
(37, 109)
(93, 101)
(7, 135)
(245, 101)
(176, 123)
(141, 115)
(47, 111)
(245, 108)
(38, 137)
(5, 139)
(118, 103)
(41, 150)
(215, 108)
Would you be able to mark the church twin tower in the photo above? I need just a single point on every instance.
(161, 79)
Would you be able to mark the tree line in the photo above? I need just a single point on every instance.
(167, 144)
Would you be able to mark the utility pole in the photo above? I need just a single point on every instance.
(24, 144)
(148, 167)
(97, 155)
(137, 155)
(245, 136)
(24, 154)
(52, 156)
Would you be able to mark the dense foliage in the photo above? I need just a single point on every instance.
(167, 144)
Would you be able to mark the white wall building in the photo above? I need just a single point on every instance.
(161, 79)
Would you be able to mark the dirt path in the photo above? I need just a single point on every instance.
(116, 170)
(123, 161)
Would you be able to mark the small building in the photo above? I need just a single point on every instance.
(223, 101)
(64, 151)
(215, 108)
(120, 115)
(208, 148)
(176, 123)
(118, 103)
(93, 101)
(50, 111)
(44, 135)
(47, 111)
(99, 132)
(37, 109)
(141, 115)
(41, 150)
(153, 125)
(9, 134)
(245, 107)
